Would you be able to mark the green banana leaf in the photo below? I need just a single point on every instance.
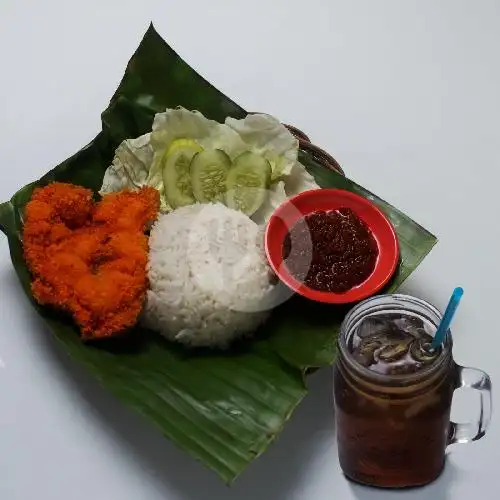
(222, 408)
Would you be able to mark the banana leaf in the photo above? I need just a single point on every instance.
(222, 408)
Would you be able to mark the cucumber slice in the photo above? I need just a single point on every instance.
(176, 177)
(208, 175)
(247, 183)
(181, 143)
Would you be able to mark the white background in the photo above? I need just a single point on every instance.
(404, 93)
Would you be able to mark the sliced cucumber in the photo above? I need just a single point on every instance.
(247, 183)
(176, 177)
(208, 175)
(183, 143)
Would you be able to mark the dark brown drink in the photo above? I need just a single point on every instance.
(393, 344)
(393, 396)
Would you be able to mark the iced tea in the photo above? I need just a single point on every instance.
(393, 393)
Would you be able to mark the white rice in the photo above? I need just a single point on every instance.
(208, 275)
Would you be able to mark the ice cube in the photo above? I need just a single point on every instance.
(421, 352)
(374, 325)
(394, 351)
(364, 353)
(411, 325)
(363, 359)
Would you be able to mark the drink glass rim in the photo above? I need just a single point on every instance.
(386, 301)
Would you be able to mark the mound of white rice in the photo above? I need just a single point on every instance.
(208, 275)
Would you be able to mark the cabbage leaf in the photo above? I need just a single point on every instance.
(139, 162)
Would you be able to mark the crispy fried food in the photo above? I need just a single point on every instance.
(90, 259)
(135, 212)
(50, 217)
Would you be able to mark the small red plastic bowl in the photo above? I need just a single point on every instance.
(287, 215)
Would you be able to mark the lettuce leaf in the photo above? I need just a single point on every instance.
(297, 181)
(265, 135)
(131, 169)
(139, 162)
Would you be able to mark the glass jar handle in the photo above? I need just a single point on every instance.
(472, 431)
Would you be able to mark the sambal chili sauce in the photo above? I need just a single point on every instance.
(330, 251)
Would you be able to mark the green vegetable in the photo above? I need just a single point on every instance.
(222, 409)
(247, 183)
(209, 171)
(260, 134)
(176, 172)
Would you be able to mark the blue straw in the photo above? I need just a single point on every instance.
(444, 326)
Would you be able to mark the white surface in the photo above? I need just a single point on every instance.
(404, 93)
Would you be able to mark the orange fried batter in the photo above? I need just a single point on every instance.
(90, 259)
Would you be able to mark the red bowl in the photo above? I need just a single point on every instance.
(289, 212)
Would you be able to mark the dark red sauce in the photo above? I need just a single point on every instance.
(331, 251)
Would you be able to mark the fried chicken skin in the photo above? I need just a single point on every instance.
(90, 259)
(135, 212)
(51, 216)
